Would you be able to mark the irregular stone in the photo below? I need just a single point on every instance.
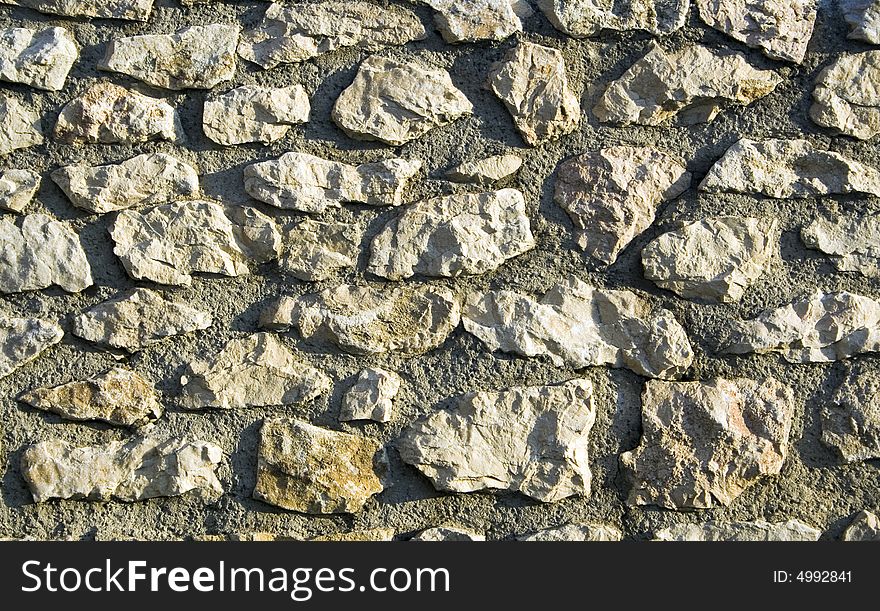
(582, 18)
(448, 533)
(576, 326)
(532, 83)
(782, 30)
(297, 32)
(24, 339)
(108, 114)
(852, 242)
(151, 178)
(168, 243)
(17, 189)
(395, 102)
(575, 532)
(313, 470)
(715, 259)
(196, 57)
(298, 181)
(692, 84)
(473, 20)
(464, 234)
(371, 396)
(847, 95)
(864, 17)
(138, 318)
(134, 10)
(864, 527)
(792, 530)
(819, 328)
(253, 371)
(486, 171)
(19, 125)
(133, 470)
(612, 195)
(851, 419)
(530, 439)
(118, 396)
(706, 442)
(313, 250)
(788, 169)
(39, 58)
(363, 320)
(254, 114)
(374, 534)
(42, 252)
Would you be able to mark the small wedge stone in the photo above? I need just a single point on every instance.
(313, 250)
(39, 58)
(486, 171)
(371, 396)
(254, 114)
(17, 189)
(864, 527)
(24, 339)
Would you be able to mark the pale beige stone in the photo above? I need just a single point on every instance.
(486, 171)
(863, 16)
(39, 58)
(847, 95)
(851, 241)
(851, 418)
(19, 125)
(314, 250)
(583, 18)
(448, 533)
(792, 530)
(474, 20)
(254, 114)
(17, 189)
(371, 396)
(134, 10)
(864, 527)
(24, 339)
(575, 532)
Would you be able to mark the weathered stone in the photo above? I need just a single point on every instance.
(612, 195)
(297, 32)
(313, 250)
(864, 17)
(19, 125)
(448, 533)
(530, 439)
(782, 30)
(24, 339)
(42, 252)
(257, 370)
(313, 470)
(692, 84)
(373, 534)
(167, 244)
(851, 241)
(364, 320)
(395, 102)
(151, 178)
(575, 532)
(473, 20)
(575, 325)
(532, 83)
(864, 527)
(464, 234)
(134, 470)
(715, 259)
(788, 169)
(851, 418)
(819, 328)
(847, 95)
(582, 18)
(134, 10)
(39, 58)
(486, 171)
(254, 114)
(108, 114)
(17, 189)
(792, 530)
(706, 442)
(197, 57)
(371, 395)
(138, 318)
(303, 182)
(118, 396)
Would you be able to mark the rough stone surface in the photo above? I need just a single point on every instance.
(19, 125)
(693, 84)
(151, 178)
(133, 470)
(254, 114)
(295, 33)
(371, 395)
(818, 328)
(852, 242)
(864, 18)
(39, 253)
(138, 318)
(39, 58)
(118, 396)
(788, 169)
(847, 95)
(17, 189)
(366, 320)
(303, 182)
(395, 102)
(167, 244)
(486, 171)
(197, 57)
(864, 527)
(612, 195)
(473, 20)
(576, 325)
(782, 30)
(714, 260)
(583, 18)
(704, 443)
(454, 235)
(448, 533)
(312, 470)
(313, 250)
(851, 418)
(373, 534)
(134, 10)
(575, 532)
(760, 530)
(24, 339)
(257, 370)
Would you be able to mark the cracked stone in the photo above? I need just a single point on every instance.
(851, 418)
(17, 189)
(792, 530)
(39, 58)
(864, 527)
(863, 16)
(371, 396)
(473, 20)
(24, 339)
(583, 18)
(133, 10)
(19, 125)
(448, 533)
(486, 171)
(575, 532)
(313, 250)
(847, 95)
(852, 242)
(254, 114)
